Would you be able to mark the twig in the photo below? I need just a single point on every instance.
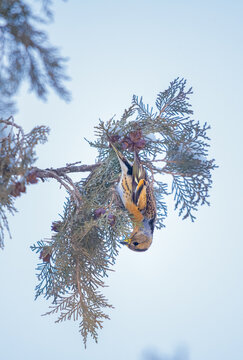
(66, 169)
(12, 123)
(69, 180)
(174, 173)
(52, 174)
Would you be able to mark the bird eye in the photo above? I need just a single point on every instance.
(135, 243)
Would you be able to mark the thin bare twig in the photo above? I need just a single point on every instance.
(70, 181)
(10, 122)
(60, 174)
(64, 170)
(73, 191)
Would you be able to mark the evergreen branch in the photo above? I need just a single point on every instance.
(27, 54)
(184, 196)
(61, 304)
(173, 100)
(10, 122)
(85, 241)
(17, 155)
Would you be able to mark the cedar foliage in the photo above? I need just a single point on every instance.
(17, 155)
(85, 240)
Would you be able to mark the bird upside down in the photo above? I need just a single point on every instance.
(136, 193)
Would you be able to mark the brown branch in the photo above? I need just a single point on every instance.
(75, 189)
(64, 170)
(60, 174)
(73, 192)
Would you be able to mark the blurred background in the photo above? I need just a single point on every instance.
(181, 300)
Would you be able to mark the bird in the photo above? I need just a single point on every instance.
(137, 195)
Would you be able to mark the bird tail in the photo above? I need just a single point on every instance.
(125, 164)
(118, 153)
(138, 170)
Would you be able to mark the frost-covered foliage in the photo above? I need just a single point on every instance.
(86, 239)
(17, 155)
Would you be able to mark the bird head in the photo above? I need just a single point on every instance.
(139, 241)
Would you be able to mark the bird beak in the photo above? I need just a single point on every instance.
(126, 242)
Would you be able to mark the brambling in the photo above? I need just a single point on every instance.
(136, 193)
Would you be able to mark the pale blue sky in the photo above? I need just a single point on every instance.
(186, 291)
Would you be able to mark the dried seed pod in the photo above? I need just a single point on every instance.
(134, 141)
(31, 178)
(111, 219)
(45, 254)
(99, 212)
(55, 226)
(135, 135)
(18, 188)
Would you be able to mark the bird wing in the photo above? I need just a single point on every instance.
(142, 192)
(139, 198)
(151, 212)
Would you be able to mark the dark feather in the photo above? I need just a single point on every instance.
(136, 194)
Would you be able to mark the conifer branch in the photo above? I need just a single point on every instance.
(26, 54)
(85, 241)
(10, 122)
